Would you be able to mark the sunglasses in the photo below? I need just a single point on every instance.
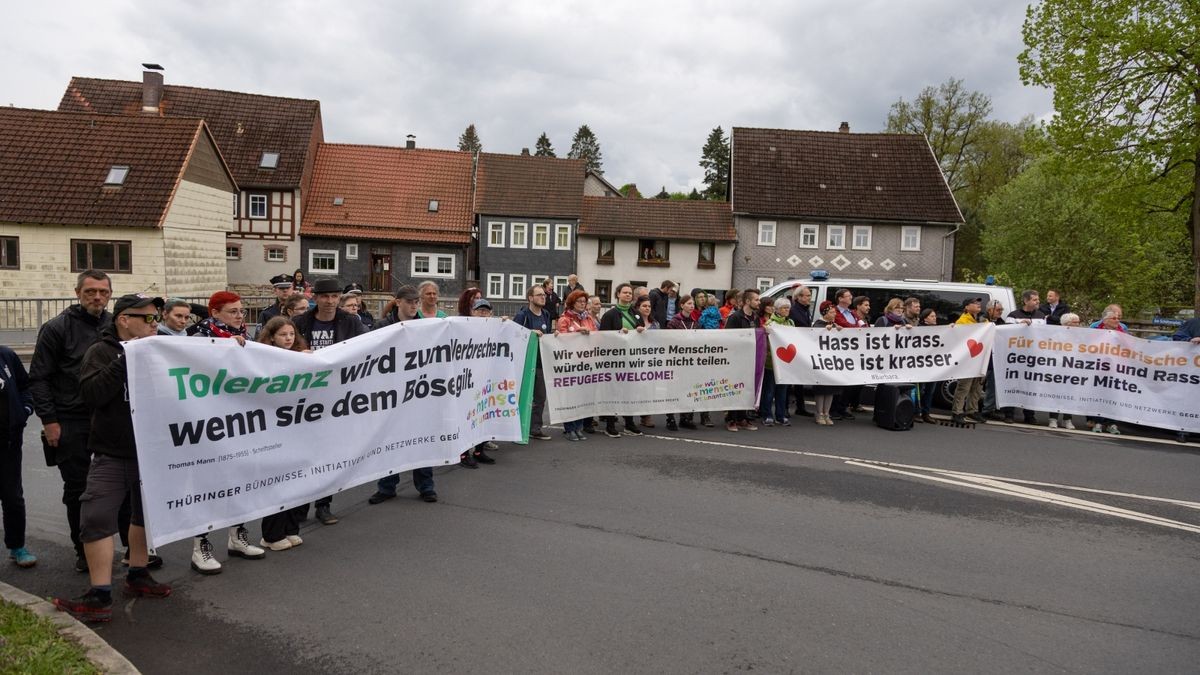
(148, 318)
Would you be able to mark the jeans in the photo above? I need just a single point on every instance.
(422, 480)
(774, 400)
(989, 394)
(12, 497)
(74, 462)
(539, 401)
(925, 395)
(576, 425)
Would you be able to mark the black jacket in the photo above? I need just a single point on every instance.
(345, 325)
(658, 306)
(54, 372)
(14, 389)
(1054, 318)
(612, 319)
(801, 315)
(104, 383)
(738, 319)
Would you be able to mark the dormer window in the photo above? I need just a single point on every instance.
(270, 160)
(338, 201)
(116, 175)
(433, 205)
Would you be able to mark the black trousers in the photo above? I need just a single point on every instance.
(280, 525)
(12, 496)
(74, 460)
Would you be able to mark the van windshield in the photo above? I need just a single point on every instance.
(948, 304)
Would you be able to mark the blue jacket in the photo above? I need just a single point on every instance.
(710, 318)
(14, 383)
(1190, 329)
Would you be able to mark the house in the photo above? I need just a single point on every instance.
(145, 199)
(646, 241)
(596, 185)
(528, 212)
(858, 205)
(386, 216)
(270, 143)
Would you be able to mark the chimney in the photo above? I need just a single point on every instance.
(152, 88)
(524, 152)
(633, 193)
(845, 128)
(411, 142)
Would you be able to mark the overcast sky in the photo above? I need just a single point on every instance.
(651, 79)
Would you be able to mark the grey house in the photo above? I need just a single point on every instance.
(527, 211)
(868, 206)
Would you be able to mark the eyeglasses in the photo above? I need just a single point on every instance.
(148, 318)
(234, 312)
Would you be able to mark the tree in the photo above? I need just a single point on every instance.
(663, 194)
(1126, 81)
(714, 159)
(585, 146)
(694, 195)
(543, 148)
(469, 141)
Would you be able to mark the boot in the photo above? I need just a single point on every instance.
(706, 420)
(240, 546)
(202, 557)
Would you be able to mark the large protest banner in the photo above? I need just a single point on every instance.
(226, 434)
(655, 372)
(875, 355)
(1102, 373)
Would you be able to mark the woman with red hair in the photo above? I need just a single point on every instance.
(576, 319)
(466, 301)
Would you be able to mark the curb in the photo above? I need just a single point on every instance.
(99, 652)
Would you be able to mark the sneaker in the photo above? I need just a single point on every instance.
(706, 420)
(958, 418)
(202, 557)
(928, 419)
(672, 426)
(153, 561)
(239, 545)
(688, 424)
(570, 436)
(281, 545)
(787, 421)
(1098, 428)
(540, 435)
(1053, 424)
(488, 445)
(91, 607)
(429, 497)
(295, 539)
(81, 564)
(144, 586)
(747, 425)
(611, 432)
(484, 458)
(977, 417)
(1067, 424)
(1112, 429)
(632, 431)
(22, 557)
(731, 426)
(466, 461)
(579, 435)
(768, 422)
(380, 497)
(325, 515)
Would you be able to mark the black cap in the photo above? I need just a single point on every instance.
(407, 292)
(281, 281)
(353, 288)
(136, 301)
(326, 286)
(972, 301)
(481, 302)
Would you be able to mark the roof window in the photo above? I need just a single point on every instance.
(433, 205)
(270, 160)
(116, 175)
(338, 201)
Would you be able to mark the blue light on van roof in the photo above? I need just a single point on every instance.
(819, 275)
(990, 280)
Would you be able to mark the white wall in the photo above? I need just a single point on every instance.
(682, 270)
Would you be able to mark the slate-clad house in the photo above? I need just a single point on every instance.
(269, 142)
(145, 199)
(387, 216)
(528, 210)
(646, 241)
(858, 205)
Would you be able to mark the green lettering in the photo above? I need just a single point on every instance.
(236, 385)
(178, 374)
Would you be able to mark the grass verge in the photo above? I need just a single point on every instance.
(31, 645)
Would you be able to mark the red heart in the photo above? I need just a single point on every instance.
(974, 347)
(786, 353)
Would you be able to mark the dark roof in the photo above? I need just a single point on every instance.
(820, 174)
(53, 166)
(245, 125)
(657, 218)
(385, 193)
(528, 185)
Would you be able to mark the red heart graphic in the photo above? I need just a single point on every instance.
(974, 347)
(786, 353)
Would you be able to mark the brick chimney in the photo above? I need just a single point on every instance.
(524, 152)
(152, 88)
(410, 142)
(633, 193)
(845, 128)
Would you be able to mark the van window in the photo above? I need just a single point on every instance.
(947, 303)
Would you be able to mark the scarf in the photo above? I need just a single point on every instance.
(211, 327)
(628, 320)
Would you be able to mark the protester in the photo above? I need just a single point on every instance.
(1027, 313)
(622, 318)
(281, 531)
(175, 318)
(773, 407)
(1054, 308)
(744, 317)
(711, 317)
(553, 302)
(733, 302)
(995, 314)
(534, 317)
(801, 315)
(295, 305)
(1070, 320)
(573, 283)
(466, 300)
(893, 314)
(472, 458)
(364, 314)
(351, 303)
(912, 311)
(823, 394)
(660, 300)
(1110, 320)
(113, 473)
(643, 308)
(926, 390)
(1189, 331)
(595, 307)
(281, 285)
(968, 390)
(699, 303)
(428, 290)
(576, 319)
(683, 320)
(846, 318)
(16, 405)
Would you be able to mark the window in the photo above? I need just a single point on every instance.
(495, 285)
(351, 251)
(433, 264)
(541, 235)
(537, 279)
(236, 199)
(10, 253)
(106, 256)
(808, 235)
(910, 238)
(519, 235)
(322, 261)
(604, 290)
(233, 251)
(562, 237)
(495, 234)
(269, 160)
(862, 238)
(560, 287)
(258, 206)
(516, 286)
(116, 175)
(433, 205)
(339, 201)
(604, 251)
(654, 252)
(275, 253)
(835, 236)
(707, 255)
(766, 233)
(764, 283)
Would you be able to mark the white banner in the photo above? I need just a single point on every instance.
(874, 355)
(655, 372)
(1102, 373)
(226, 434)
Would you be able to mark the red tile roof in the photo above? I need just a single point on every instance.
(657, 218)
(385, 194)
(819, 174)
(528, 185)
(53, 166)
(245, 125)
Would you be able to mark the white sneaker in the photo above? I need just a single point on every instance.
(1112, 429)
(1068, 425)
(202, 557)
(1053, 423)
(281, 545)
(240, 546)
(487, 445)
(767, 422)
(295, 539)
(1098, 428)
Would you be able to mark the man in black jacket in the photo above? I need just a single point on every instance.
(113, 474)
(802, 316)
(744, 317)
(1054, 308)
(659, 299)
(282, 284)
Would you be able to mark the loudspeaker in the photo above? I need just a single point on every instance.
(894, 408)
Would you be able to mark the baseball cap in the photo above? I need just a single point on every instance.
(481, 302)
(281, 281)
(972, 301)
(326, 286)
(136, 301)
(407, 292)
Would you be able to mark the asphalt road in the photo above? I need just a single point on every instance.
(708, 551)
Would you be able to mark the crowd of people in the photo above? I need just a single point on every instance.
(77, 388)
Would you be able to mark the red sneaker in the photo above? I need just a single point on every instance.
(89, 607)
(146, 587)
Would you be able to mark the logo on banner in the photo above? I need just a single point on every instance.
(715, 389)
(786, 354)
(495, 400)
(975, 347)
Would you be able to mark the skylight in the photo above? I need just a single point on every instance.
(116, 175)
(338, 201)
(270, 160)
(433, 205)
